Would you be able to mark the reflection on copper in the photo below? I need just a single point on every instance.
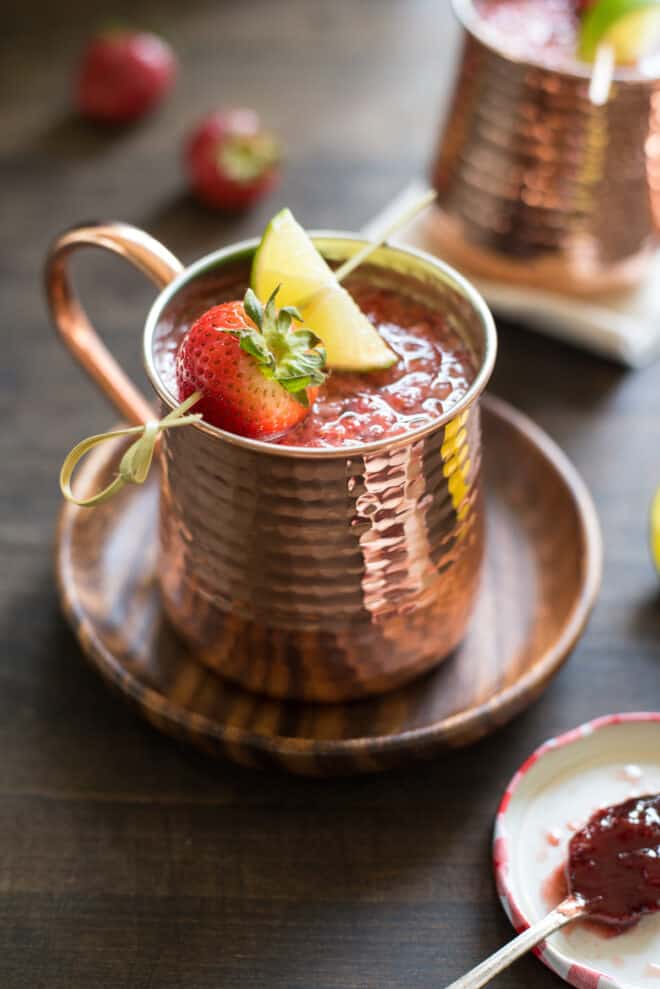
(326, 578)
(538, 186)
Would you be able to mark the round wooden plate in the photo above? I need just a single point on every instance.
(541, 577)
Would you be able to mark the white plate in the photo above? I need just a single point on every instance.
(551, 795)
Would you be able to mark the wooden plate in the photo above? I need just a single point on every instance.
(542, 573)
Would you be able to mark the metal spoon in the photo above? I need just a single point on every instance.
(568, 910)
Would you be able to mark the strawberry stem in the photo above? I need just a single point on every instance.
(295, 358)
(244, 158)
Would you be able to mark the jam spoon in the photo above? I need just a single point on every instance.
(568, 910)
(612, 874)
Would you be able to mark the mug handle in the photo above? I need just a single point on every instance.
(71, 321)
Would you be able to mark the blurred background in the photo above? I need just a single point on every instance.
(128, 860)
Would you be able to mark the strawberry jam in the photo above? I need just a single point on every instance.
(614, 862)
(434, 371)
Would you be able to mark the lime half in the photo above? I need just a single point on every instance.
(655, 530)
(631, 27)
(287, 257)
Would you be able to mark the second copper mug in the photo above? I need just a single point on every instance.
(538, 186)
(319, 574)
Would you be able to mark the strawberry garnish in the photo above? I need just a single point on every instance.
(231, 160)
(124, 75)
(257, 374)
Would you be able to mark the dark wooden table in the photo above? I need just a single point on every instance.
(124, 860)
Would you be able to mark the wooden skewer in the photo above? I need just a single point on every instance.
(401, 220)
(602, 75)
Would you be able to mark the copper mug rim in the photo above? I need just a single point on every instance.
(245, 248)
(466, 14)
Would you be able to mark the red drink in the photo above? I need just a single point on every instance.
(542, 31)
(434, 371)
(536, 30)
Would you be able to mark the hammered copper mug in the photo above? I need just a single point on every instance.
(318, 574)
(537, 185)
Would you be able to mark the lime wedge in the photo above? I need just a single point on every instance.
(655, 530)
(287, 257)
(631, 27)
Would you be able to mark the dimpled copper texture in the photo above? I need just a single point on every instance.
(536, 185)
(330, 574)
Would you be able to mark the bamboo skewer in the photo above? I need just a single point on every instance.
(602, 75)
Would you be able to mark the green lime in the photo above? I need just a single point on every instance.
(655, 530)
(631, 27)
(287, 257)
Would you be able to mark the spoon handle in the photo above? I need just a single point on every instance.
(569, 909)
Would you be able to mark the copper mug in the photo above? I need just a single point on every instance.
(538, 186)
(317, 574)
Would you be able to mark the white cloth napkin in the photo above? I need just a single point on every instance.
(625, 327)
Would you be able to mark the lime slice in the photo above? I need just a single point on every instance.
(655, 530)
(631, 27)
(287, 257)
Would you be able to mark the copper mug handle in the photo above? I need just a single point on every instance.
(71, 320)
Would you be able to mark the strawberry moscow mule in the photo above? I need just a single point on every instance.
(321, 518)
(548, 163)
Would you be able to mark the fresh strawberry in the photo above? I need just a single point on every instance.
(124, 75)
(231, 160)
(256, 373)
(582, 6)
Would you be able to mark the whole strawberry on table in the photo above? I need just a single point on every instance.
(123, 75)
(231, 159)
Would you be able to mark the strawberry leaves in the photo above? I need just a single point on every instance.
(301, 366)
(254, 308)
(294, 358)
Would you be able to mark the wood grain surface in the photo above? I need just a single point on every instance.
(124, 860)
